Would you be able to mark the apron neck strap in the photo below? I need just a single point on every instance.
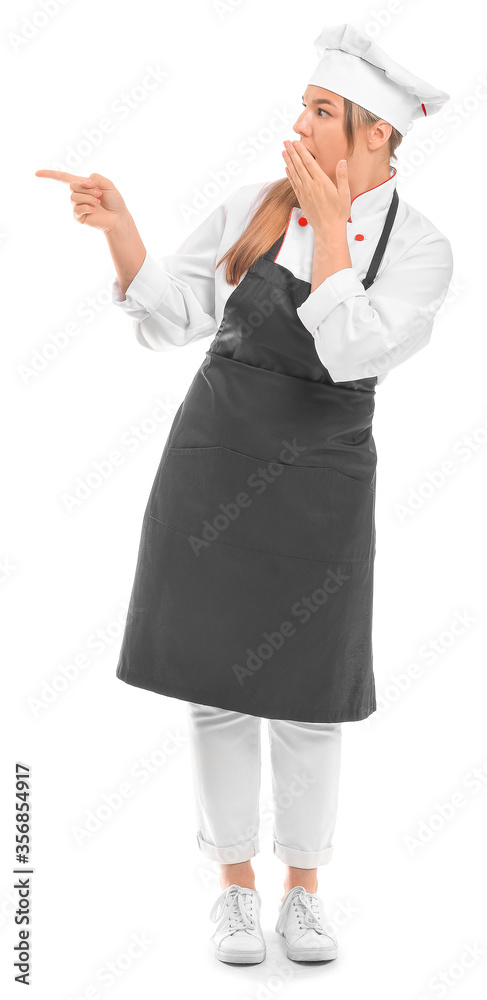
(271, 254)
(384, 236)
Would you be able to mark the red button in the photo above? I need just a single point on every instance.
(302, 221)
(359, 236)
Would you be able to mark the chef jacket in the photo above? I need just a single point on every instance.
(180, 298)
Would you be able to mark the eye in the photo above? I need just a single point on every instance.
(319, 110)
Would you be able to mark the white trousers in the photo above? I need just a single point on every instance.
(225, 750)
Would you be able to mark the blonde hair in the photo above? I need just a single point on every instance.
(271, 218)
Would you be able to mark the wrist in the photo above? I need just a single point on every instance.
(331, 238)
(123, 227)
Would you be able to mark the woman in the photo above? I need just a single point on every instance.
(253, 588)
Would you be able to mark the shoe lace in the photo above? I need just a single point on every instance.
(307, 909)
(234, 908)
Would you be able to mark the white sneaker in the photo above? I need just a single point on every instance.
(305, 928)
(238, 937)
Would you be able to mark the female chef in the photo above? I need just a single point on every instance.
(252, 596)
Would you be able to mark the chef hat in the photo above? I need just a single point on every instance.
(356, 68)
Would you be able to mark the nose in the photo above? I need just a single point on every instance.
(300, 126)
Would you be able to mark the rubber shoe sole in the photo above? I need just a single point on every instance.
(312, 954)
(241, 957)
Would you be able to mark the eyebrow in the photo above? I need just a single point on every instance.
(321, 101)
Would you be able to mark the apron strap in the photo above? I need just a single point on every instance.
(271, 254)
(380, 248)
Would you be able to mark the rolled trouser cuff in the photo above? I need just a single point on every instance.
(231, 855)
(302, 859)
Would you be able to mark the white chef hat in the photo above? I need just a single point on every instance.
(356, 68)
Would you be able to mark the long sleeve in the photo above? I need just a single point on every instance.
(361, 333)
(172, 300)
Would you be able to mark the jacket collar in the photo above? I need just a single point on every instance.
(373, 200)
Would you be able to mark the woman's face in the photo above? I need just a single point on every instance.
(321, 127)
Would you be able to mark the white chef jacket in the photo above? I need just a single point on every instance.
(180, 298)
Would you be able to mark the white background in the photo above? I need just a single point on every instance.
(405, 915)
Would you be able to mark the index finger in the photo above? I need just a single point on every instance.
(308, 160)
(61, 175)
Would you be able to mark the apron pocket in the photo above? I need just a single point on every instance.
(218, 495)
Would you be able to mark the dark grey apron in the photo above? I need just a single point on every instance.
(253, 587)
